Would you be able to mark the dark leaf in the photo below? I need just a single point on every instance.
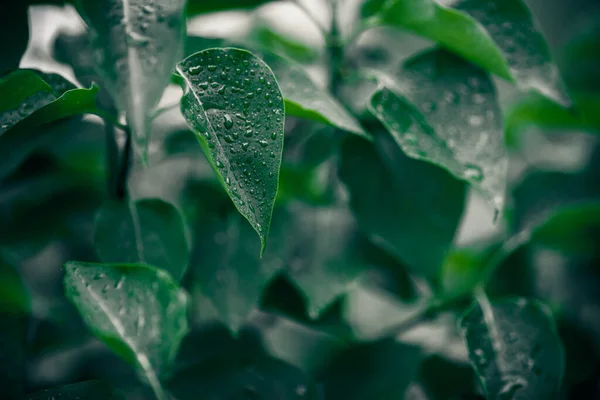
(88, 390)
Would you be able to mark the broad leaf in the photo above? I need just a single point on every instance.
(148, 231)
(303, 98)
(137, 310)
(461, 132)
(202, 6)
(31, 99)
(519, 38)
(500, 36)
(514, 348)
(412, 209)
(14, 307)
(89, 390)
(136, 45)
(233, 103)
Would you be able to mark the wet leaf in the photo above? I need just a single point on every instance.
(88, 390)
(31, 99)
(137, 310)
(518, 36)
(148, 231)
(233, 103)
(410, 208)
(303, 98)
(136, 45)
(446, 113)
(514, 348)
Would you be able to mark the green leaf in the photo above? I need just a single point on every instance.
(14, 24)
(463, 269)
(537, 111)
(303, 98)
(149, 231)
(202, 6)
(514, 349)
(137, 310)
(410, 208)
(89, 390)
(461, 132)
(30, 100)
(233, 103)
(136, 45)
(268, 37)
(518, 36)
(500, 36)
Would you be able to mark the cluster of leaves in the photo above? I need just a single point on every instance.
(215, 262)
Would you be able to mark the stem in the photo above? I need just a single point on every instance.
(309, 14)
(118, 160)
(508, 247)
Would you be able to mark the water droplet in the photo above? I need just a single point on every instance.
(475, 120)
(211, 68)
(274, 136)
(203, 85)
(135, 39)
(195, 70)
(450, 97)
(228, 122)
(428, 107)
(473, 172)
(511, 386)
(219, 164)
(229, 139)
(148, 9)
(263, 143)
(249, 133)
(245, 146)
(478, 98)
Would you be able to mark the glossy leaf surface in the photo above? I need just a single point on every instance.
(234, 105)
(148, 231)
(137, 310)
(514, 348)
(452, 119)
(416, 226)
(136, 45)
(89, 390)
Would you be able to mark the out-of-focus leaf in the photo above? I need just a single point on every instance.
(444, 379)
(537, 111)
(461, 132)
(514, 348)
(378, 370)
(89, 390)
(136, 45)
(148, 231)
(409, 207)
(233, 103)
(303, 98)
(31, 99)
(137, 310)
(500, 36)
(14, 307)
(202, 6)
(14, 24)
(463, 269)
(267, 38)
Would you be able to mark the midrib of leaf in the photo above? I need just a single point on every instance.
(224, 160)
(139, 243)
(142, 358)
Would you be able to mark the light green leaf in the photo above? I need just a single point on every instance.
(500, 36)
(137, 310)
(149, 231)
(522, 43)
(514, 348)
(136, 45)
(29, 100)
(233, 103)
(303, 98)
(89, 390)
(410, 208)
(446, 113)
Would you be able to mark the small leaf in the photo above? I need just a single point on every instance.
(303, 98)
(137, 310)
(500, 36)
(410, 208)
(149, 231)
(233, 103)
(514, 348)
(461, 132)
(88, 390)
(517, 34)
(136, 45)
(31, 99)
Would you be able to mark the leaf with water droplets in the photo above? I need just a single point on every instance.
(514, 348)
(233, 103)
(446, 113)
(88, 390)
(500, 36)
(148, 231)
(30, 99)
(408, 207)
(137, 310)
(136, 45)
